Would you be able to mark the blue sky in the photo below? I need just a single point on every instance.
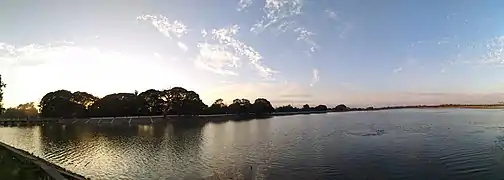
(292, 51)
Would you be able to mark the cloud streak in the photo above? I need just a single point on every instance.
(231, 51)
(331, 14)
(306, 36)
(494, 52)
(243, 4)
(32, 54)
(315, 77)
(279, 16)
(217, 59)
(169, 28)
(397, 70)
(182, 46)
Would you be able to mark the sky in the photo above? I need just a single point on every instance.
(355, 52)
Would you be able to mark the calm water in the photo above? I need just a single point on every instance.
(412, 144)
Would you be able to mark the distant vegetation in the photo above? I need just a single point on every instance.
(2, 86)
(174, 101)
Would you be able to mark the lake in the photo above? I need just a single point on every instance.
(394, 144)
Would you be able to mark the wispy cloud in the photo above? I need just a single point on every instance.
(243, 4)
(235, 50)
(204, 33)
(279, 17)
(182, 46)
(217, 58)
(397, 70)
(345, 28)
(315, 77)
(306, 36)
(331, 14)
(277, 11)
(32, 54)
(169, 28)
(157, 55)
(494, 52)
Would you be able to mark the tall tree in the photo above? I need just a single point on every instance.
(60, 104)
(84, 98)
(2, 86)
(117, 105)
(192, 104)
(174, 97)
(287, 108)
(152, 102)
(340, 108)
(21, 111)
(262, 106)
(182, 102)
(320, 108)
(306, 107)
(240, 107)
(218, 107)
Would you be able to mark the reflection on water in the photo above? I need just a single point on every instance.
(399, 144)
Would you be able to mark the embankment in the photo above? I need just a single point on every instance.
(35, 166)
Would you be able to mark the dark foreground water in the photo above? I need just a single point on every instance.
(399, 144)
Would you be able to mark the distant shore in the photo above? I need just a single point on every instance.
(447, 106)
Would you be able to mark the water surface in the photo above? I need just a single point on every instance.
(395, 144)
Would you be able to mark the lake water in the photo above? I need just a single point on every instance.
(395, 144)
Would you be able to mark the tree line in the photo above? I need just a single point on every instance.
(152, 102)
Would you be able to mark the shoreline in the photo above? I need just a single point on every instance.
(52, 170)
(134, 120)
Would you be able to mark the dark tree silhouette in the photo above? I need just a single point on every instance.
(287, 108)
(175, 101)
(192, 104)
(341, 108)
(262, 106)
(306, 107)
(218, 107)
(21, 111)
(152, 102)
(182, 102)
(60, 104)
(240, 107)
(2, 86)
(116, 105)
(320, 108)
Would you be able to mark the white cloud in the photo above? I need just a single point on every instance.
(182, 46)
(306, 36)
(157, 55)
(345, 28)
(315, 77)
(396, 70)
(32, 54)
(217, 59)
(204, 33)
(494, 52)
(243, 4)
(331, 14)
(277, 11)
(235, 51)
(279, 17)
(165, 26)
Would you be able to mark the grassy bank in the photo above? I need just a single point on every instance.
(19, 164)
(13, 166)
